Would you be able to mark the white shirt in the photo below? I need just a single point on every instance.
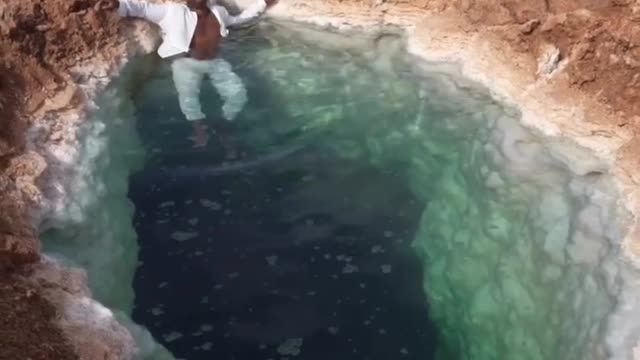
(178, 23)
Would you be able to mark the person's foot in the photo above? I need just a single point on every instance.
(224, 131)
(230, 152)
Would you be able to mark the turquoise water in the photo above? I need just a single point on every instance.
(495, 213)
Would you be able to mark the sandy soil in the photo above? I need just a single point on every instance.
(595, 42)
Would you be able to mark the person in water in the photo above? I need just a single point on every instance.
(191, 35)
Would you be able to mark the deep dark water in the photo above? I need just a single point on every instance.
(306, 255)
(282, 253)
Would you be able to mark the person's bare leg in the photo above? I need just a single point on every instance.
(223, 133)
(200, 135)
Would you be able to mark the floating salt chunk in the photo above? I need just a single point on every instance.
(233, 275)
(167, 203)
(183, 236)
(163, 284)
(382, 331)
(333, 330)
(386, 268)
(206, 327)
(210, 204)
(377, 249)
(206, 346)
(494, 180)
(271, 260)
(290, 347)
(349, 268)
(404, 351)
(388, 234)
(173, 336)
(344, 258)
(157, 311)
(193, 221)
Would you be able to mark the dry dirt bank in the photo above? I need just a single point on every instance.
(582, 54)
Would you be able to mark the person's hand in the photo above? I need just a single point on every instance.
(107, 5)
(270, 3)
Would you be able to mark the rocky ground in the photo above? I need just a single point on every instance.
(596, 41)
(28, 329)
(39, 42)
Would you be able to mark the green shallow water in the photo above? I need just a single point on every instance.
(495, 235)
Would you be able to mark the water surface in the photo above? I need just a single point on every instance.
(304, 254)
(382, 208)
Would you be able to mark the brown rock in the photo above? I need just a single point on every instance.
(528, 27)
(27, 324)
(39, 42)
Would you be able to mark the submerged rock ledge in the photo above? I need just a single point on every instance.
(571, 67)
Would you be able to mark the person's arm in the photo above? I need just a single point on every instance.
(247, 15)
(138, 8)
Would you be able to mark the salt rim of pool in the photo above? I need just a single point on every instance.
(585, 148)
(433, 41)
